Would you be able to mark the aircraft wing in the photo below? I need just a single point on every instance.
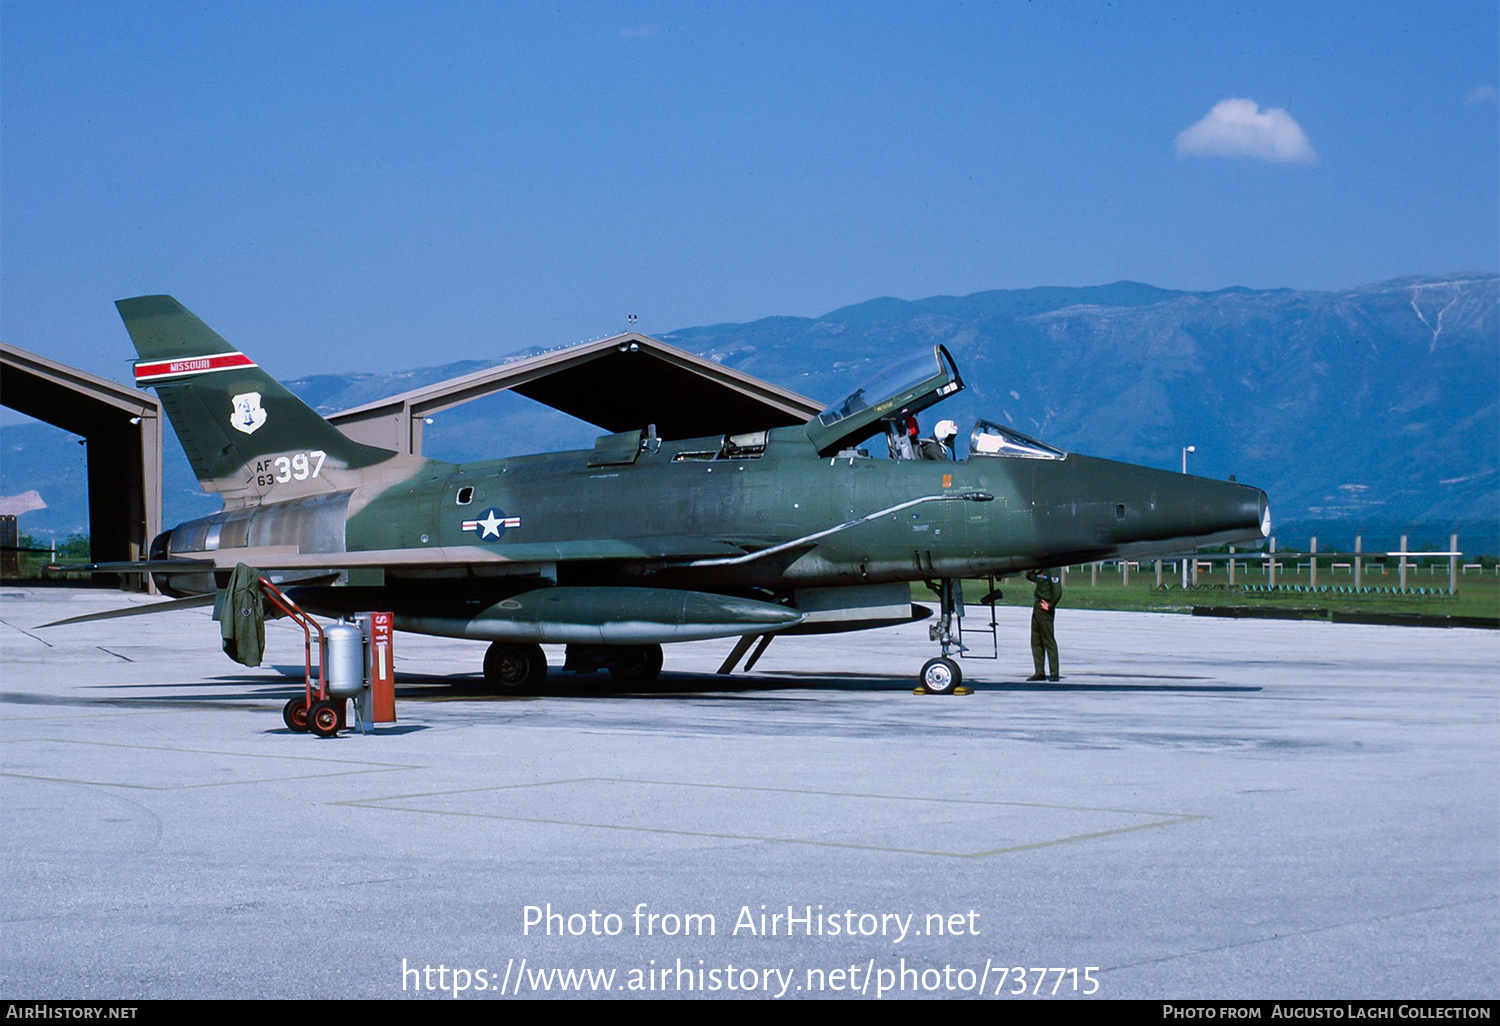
(289, 557)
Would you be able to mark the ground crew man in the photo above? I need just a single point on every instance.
(1043, 609)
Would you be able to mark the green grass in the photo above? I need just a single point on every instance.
(31, 564)
(1478, 591)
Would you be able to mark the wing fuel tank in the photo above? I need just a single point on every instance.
(611, 616)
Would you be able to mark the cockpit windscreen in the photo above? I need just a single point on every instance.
(991, 439)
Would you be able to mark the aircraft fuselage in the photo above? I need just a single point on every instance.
(1043, 513)
(642, 541)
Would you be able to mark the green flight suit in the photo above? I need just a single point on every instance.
(1043, 609)
(241, 615)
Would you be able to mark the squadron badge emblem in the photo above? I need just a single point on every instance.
(248, 415)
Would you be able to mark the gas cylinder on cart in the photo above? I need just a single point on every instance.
(345, 665)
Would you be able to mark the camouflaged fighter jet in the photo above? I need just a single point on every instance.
(640, 541)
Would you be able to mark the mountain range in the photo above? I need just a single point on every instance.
(1376, 404)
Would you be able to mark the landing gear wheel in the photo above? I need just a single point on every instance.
(514, 669)
(323, 719)
(294, 714)
(638, 664)
(941, 675)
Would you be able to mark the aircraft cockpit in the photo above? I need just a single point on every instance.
(890, 402)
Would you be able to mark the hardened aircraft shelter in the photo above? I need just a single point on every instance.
(619, 383)
(122, 429)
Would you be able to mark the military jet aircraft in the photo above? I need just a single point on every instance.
(641, 541)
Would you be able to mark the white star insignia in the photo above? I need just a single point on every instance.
(490, 525)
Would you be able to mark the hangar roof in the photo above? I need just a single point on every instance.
(67, 397)
(123, 428)
(619, 383)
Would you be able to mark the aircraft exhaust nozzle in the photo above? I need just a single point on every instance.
(612, 616)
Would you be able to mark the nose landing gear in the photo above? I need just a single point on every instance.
(941, 676)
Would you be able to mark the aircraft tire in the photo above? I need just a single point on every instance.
(323, 719)
(638, 664)
(294, 714)
(514, 669)
(941, 675)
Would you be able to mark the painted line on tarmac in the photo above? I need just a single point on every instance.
(1250, 942)
(30, 635)
(365, 766)
(1163, 819)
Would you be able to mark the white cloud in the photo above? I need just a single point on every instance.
(1484, 94)
(15, 505)
(1239, 128)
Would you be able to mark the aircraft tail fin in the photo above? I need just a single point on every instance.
(246, 435)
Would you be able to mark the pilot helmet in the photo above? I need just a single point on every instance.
(945, 430)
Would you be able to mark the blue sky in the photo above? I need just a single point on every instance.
(384, 185)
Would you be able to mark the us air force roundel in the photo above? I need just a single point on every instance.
(491, 524)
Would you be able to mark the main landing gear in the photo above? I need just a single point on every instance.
(635, 664)
(511, 668)
(517, 668)
(628, 664)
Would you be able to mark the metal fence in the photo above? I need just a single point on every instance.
(1346, 572)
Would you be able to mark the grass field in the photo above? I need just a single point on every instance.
(1478, 591)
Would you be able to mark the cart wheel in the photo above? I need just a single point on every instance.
(294, 714)
(323, 719)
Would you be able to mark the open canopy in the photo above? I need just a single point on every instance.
(904, 388)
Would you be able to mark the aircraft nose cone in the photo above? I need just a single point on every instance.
(1222, 507)
(1089, 504)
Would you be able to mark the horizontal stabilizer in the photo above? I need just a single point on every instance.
(194, 602)
(137, 566)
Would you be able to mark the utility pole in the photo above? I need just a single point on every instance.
(1187, 449)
